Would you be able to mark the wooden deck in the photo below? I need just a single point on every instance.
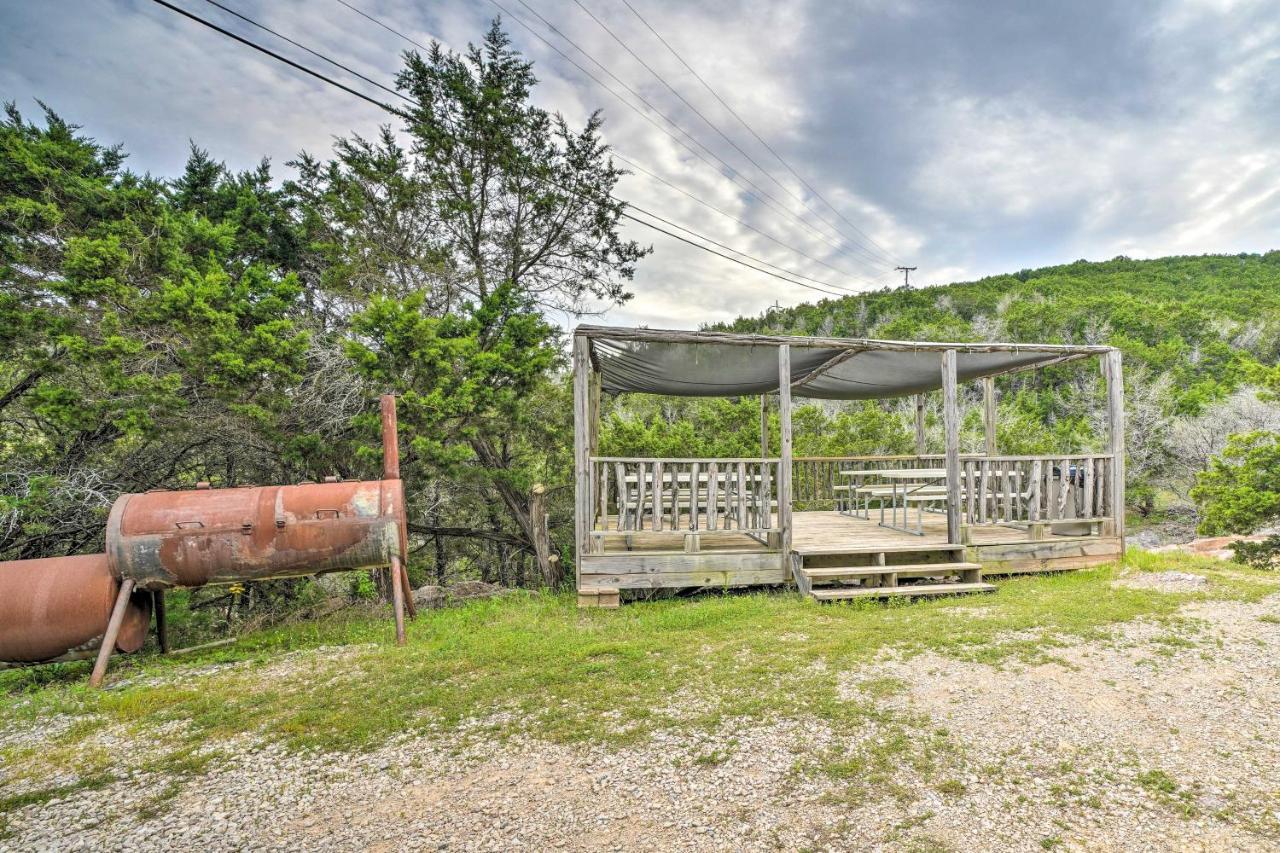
(644, 559)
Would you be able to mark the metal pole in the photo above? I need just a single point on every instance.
(390, 439)
(113, 630)
(397, 599)
(162, 631)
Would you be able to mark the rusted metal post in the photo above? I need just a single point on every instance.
(397, 599)
(409, 606)
(391, 471)
(113, 628)
(390, 439)
(162, 631)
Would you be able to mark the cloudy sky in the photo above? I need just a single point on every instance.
(964, 138)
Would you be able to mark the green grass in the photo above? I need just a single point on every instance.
(536, 664)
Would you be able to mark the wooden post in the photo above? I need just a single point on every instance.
(951, 432)
(989, 412)
(920, 445)
(1114, 374)
(581, 447)
(593, 413)
(764, 426)
(113, 630)
(784, 453)
(548, 565)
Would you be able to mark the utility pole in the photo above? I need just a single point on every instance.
(906, 275)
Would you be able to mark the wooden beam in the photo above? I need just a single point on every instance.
(827, 365)
(989, 413)
(920, 443)
(1113, 372)
(784, 456)
(593, 413)
(581, 446)
(951, 443)
(764, 426)
(620, 333)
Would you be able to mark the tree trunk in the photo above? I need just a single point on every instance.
(548, 562)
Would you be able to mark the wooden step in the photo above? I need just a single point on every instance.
(895, 548)
(917, 590)
(836, 572)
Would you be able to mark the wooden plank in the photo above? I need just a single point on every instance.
(713, 498)
(681, 580)
(989, 414)
(658, 486)
(784, 452)
(920, 444)
(581, 448)
(621, 333)
(951, 442)
(764, 426)
(1033, 496)
(742, 495)
(695, 490)
(1114, 373)
(1087, 505)
(627, 563)
(624, 497)
(602, 483)
(640, 494)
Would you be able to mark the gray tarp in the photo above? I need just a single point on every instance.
(711, 369)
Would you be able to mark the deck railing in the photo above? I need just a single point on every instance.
(1032, 489)
(814, 479)
(682, 496)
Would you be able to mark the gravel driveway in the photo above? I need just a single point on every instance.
(1143, 739)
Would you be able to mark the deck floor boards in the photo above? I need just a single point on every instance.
(820, 530)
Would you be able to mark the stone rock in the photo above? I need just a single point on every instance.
(431, 595)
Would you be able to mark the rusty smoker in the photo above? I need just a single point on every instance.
(70, 608)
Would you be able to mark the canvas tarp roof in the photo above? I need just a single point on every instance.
(722, 365)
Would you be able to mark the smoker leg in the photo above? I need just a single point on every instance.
(397, 599)
(409, 606)
(113, 629)
(162, 628)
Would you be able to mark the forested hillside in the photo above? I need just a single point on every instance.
(1200, 337)
(1202, 321)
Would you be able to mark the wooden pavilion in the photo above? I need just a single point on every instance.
(836, 527)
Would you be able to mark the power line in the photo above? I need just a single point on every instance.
(752, 130)
(728, 257)
(736, 251)
(760, 194)
(271, 53)
(628, 160)
(300, 46)
(384, 26)
(633, 164)
(623, 213)
(869, 253)
(734, 174)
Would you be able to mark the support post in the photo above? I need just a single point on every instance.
(113, 630)
(989, 413)
(784, 454)
(764, 426)
(951, 431)
(1114, 375)
(390, 439)
(581, 447)
(397, 598)
(548, 567)
(162, 627)
(920, 444)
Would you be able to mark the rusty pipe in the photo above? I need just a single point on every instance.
(390, 439)
(58, 609)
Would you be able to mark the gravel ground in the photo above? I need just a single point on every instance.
(1142, 740)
